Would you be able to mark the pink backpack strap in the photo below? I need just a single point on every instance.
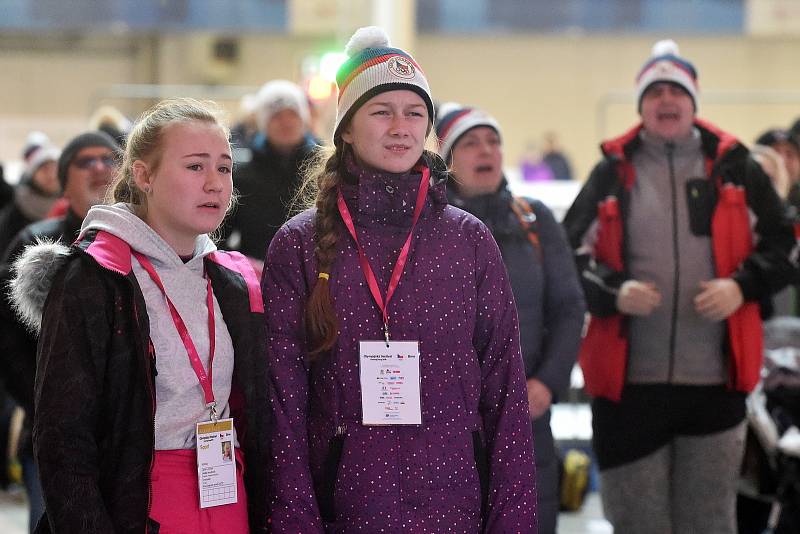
(236, 262)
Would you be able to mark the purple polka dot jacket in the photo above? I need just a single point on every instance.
(469, 467)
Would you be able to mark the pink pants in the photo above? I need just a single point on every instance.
(175, 501)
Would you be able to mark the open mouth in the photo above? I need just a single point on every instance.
(210, 205)
(397, 148)
(484, 168)
(668, 116)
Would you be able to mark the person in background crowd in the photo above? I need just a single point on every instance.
(532, 166)
(112, 121)
(132, 317)
(672, 275)
(268, 182)
(33, 142)
(788, 147)
(84, 171)
(554, 158)
(403, 413)
(245, 129)
(35, 194)
(773, 165)
(794, 130)
(752, 511)
(12, 199)
(540, 266)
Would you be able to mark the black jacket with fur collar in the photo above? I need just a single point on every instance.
(95, 391)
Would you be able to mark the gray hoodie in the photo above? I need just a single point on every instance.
(179, 398)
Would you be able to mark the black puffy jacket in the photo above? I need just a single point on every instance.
(95, 391)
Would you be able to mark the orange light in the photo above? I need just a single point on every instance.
(319, 88)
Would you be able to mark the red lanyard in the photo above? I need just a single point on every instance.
(397, 272)
(204, 378)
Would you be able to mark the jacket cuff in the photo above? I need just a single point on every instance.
(747, 284)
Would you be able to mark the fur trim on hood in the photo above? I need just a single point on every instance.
(32, 276)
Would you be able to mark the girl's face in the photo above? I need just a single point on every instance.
(477, 161)
(190, 190)
(388, 132)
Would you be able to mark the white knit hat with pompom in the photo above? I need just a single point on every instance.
(666, 65)
(374, 67)
(277, 95)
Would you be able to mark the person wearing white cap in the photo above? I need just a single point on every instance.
(35, 194)
(267, 183)
(678, 234)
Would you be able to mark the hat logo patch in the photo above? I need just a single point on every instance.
(665, 67)
(401, 67)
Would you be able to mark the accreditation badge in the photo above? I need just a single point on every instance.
(390, 382)
(216, 463)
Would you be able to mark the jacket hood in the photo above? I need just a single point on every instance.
(119, 221)
(32, 275)
(33, 272)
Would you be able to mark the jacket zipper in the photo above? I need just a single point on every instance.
(676, 273)
(150, 380)
(330, 473)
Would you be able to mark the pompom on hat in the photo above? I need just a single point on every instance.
(374, 67)
(454, 120)
(666, 65)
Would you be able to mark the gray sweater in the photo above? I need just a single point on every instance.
(674, 344)
(179, 398)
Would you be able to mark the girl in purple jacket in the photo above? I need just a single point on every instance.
(396, 381)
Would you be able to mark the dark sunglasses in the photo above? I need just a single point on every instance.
(90, 161)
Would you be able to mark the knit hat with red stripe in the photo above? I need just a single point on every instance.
(373, 67)
(454, 121)
(666, 65)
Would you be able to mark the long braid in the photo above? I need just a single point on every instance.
(322, 324)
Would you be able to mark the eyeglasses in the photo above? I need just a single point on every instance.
(88, 162)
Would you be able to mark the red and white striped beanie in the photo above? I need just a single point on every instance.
(666, 65)
(453, 121)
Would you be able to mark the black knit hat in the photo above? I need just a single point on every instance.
(776, 135)
(84, 140)
(794, 130)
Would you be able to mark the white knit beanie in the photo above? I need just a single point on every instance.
(278, 95)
